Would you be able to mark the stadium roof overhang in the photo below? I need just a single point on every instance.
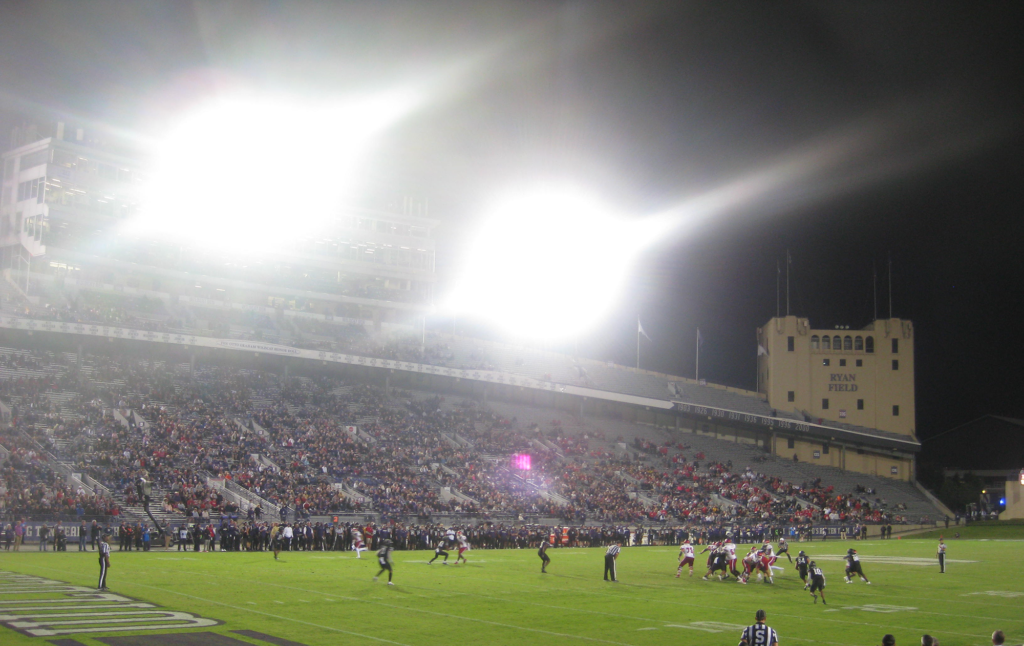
(70, 256)
(763, 423)
(797, 428)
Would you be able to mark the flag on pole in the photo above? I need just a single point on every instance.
(761, 350)
(640, 330)
(696, 372)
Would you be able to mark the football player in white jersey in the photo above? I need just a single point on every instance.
(730, 557)
(768, 559)
(358, 546)
(463, 546)
(685, 557)
(749, 564)
(784, 549)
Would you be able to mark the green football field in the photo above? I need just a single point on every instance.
(501, 597)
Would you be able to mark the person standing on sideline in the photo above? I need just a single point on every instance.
(287, 535)
(610, 556)
(83, 529)
(759, 634)
(19, 535)
(44, 532)
(104, 561)
(94, 534)
(942, 556)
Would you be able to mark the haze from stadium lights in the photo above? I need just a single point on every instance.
(248, 172)
(549, 263)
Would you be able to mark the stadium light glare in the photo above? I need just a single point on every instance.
(248, 172)
(548, 263)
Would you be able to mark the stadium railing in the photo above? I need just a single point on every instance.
(269, 509)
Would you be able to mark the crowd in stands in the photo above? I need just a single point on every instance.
(29, 487)
(295, 442)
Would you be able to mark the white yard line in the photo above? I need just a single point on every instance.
(422, 611)
(690, 603)
(258, 612)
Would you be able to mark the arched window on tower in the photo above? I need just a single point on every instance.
(826, 343)
(815, 342)
(858, 343)
(847, 342)
(837, 343)
(869, 344)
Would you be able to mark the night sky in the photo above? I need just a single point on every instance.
(918, 105)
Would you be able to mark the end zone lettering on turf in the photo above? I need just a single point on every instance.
(90, 611)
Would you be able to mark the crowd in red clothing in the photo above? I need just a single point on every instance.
(296, 443)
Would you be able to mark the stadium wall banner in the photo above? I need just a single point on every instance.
(70, 530)
(485, 376)
(831, 530)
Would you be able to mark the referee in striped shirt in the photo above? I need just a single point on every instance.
(759, 634)
(610, 555)
(104, 562)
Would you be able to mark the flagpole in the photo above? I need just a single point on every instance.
(778, 289)
(637, 341)
(789, 261)
(874, 289)
(696, 374)
(890, 284)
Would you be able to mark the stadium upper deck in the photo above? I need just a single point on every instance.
(504, 371)
(68, 195)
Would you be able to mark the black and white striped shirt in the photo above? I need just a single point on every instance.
(104, 550)
(613, 550)
(759, 635)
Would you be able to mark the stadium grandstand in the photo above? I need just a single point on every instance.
(307, 383)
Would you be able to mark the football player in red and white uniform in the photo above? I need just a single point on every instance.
(463, 546)
(710, 548)
(768, 559)
(730, 556)
(358, 546)
(749, 564)
(685, 557)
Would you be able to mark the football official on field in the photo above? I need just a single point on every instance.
(104, 561)
(759, 634)
(610, 556)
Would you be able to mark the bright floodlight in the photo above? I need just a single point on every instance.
(548, 263)
(248, 173)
